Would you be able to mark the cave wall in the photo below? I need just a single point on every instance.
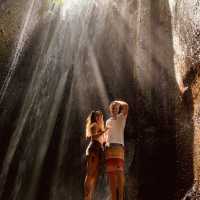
(186, 58)
(11, 14)
(156, 116)
(156, 51)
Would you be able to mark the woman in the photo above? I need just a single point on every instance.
(95, 132)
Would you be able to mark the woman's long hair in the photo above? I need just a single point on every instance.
(90, 120)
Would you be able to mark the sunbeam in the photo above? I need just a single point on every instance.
(71, 57)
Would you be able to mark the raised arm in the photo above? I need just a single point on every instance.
(124, 107)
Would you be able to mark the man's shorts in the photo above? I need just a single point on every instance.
(114, 156)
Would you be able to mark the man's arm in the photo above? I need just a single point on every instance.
(124, 107)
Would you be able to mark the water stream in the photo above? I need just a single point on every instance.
(81, 55)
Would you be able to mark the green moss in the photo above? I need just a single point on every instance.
(57, 1)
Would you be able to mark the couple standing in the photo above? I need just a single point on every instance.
(109, 141)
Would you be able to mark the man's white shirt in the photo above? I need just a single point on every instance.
(115, 133)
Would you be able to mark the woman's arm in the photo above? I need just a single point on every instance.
(94, 131)
(99, 133)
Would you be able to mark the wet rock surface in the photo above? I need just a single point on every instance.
(144, 52)
(186, 31)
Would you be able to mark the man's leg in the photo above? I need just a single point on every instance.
(115, 170)
(121, 183)
(113, 185)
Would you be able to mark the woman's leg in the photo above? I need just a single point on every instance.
(91, 176)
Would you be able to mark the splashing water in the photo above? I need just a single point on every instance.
(68, 44)
(84, 48)
(23, 37)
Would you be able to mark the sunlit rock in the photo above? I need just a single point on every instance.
(61, 59)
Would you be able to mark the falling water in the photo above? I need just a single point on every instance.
(71, 47)
(87, 53)
(23, 37)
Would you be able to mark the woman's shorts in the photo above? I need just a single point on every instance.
(114, 156)
(94, 147)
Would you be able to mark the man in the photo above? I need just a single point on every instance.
(115, 148)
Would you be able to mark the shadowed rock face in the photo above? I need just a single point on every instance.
(55, 69)
(186, 31)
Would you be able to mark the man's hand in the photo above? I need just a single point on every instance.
(124, 107)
